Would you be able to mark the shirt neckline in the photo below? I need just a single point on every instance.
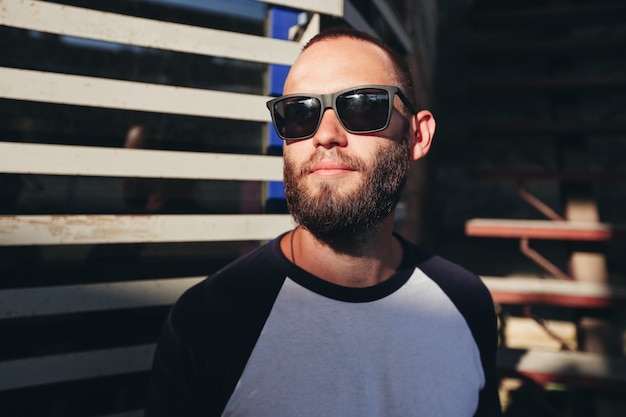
(343, 293)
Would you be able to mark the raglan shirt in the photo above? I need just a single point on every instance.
(262, 337)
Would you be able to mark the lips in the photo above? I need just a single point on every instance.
(331, 163)
(330, 166)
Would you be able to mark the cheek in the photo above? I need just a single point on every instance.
(290, 161)
(293, 163)
(297, 150)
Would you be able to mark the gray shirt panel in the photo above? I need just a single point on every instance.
(410, 353)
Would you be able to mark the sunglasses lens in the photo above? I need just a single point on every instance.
(364, 110)
(297, 117)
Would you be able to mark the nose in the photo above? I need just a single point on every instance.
(330, 131)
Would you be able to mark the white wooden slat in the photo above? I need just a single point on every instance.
(550, 287)
(519, 290)
(30, 372)
(311, 28)
(21, 84)
(71, 299)
(27, 158)
(331, 7)
(95, 229)
(110, 27)
(575, 365)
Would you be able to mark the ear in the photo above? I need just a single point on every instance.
(422, 132)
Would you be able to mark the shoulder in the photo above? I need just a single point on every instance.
(473, 300)
(466, 291)
(210, 332)
(463, 287)
(243, 288)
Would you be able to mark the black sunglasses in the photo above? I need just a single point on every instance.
(363, 109)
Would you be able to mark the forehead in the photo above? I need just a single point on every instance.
(335, 64)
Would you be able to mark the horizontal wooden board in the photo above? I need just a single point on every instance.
(544, 229)
(331, 7)
(522, 290)
(21, 373)
(578, 369)
(29, 85)
(94, 229)
(128, 30)
(26, 158)
(71, 299)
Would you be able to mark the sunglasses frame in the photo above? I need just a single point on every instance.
(329, 101)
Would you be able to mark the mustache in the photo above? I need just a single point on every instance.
(334, 155)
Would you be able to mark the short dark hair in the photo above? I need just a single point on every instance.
(402, 68)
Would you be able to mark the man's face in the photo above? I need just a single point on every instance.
(339, 184)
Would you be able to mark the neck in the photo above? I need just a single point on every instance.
(356, 262)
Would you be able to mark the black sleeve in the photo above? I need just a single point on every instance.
(189, 367)
(208, 337)
(175, 387)
(472, 298)
(489, 404)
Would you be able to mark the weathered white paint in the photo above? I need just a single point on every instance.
(21, 84)
(94, 229)
(27, 158)
(128, 30)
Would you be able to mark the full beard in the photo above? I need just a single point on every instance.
(343, 218)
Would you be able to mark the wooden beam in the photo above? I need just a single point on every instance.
(29, 372)
(27, 158)
(523, 290)
(96, 229)
(544, 229)
(578, 369)
(110, 27)
(21, 84)
(72, 299)
(331, 7)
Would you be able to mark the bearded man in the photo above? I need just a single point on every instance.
(340, 316)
